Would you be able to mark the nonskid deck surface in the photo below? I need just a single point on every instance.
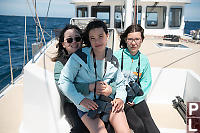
(165, 116)
(181, 58)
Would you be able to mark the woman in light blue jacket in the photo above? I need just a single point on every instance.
(89, 65)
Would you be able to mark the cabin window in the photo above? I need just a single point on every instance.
(118, 16)
(175, 17)
(82, 12)
(155, 17)
(139, 14)
(101, 12)
(152, 19)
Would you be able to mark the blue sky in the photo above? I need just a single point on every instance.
(62, 8)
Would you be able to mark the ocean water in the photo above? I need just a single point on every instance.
(13, 27)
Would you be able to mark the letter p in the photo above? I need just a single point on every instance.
(193, 107)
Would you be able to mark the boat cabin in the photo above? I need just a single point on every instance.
(157, 17)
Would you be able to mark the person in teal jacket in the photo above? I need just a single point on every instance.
(70, 40)
(91, 64)
(136, 69)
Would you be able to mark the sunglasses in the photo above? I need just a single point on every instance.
(70, 40)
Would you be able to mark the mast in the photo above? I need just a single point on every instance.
(128, 13)
(135, 12)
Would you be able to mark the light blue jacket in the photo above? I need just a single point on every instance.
(130, 65)
(79, 86)
(80, 68)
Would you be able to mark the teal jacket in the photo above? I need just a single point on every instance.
(80, 69)
(130, 65)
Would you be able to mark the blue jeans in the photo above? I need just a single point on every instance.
(80, 113)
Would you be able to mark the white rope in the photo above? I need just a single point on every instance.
(38, 20)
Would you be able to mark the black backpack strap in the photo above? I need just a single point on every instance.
(82, 55)
(122, 60)
(138, 76)
(111, 58)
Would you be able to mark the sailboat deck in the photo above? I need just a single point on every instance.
(164, 115)
(182, 58)
(11, 104)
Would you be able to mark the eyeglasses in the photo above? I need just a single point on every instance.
(136, 40)
(70, 40)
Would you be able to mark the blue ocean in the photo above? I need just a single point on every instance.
(13, 27)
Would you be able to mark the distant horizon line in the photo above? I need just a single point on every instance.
(32, 16)
(65, 17)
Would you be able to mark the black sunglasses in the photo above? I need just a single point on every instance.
(70, 40)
